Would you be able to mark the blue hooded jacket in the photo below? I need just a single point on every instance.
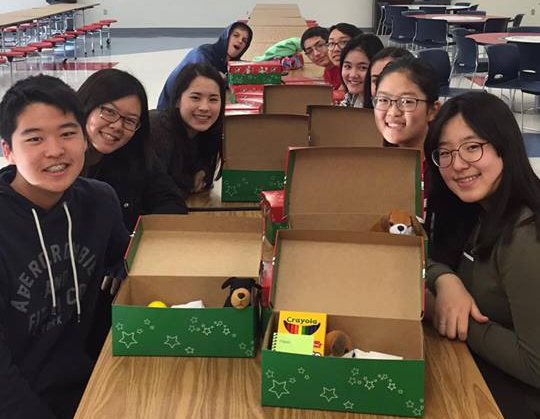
(213, 54)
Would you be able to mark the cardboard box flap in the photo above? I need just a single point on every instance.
(260, 142)
(349, 273)
(196, 245)
(352, 180)
(356, 126)
(294, 99)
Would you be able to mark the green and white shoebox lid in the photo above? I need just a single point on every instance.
(180, 258)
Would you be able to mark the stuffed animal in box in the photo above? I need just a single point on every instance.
(240, 291)
(399, 222)
(337, 343)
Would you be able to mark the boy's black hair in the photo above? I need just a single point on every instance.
(389, 52)
(346, 28)
(452, 219)
(419, 71)
(314, 32)
(37, 89)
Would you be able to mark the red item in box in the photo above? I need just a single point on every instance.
(273, 201)
(337, 96)
(261, 67)
(293, 62)
(250, 98)
(242, 112)
(242, 108)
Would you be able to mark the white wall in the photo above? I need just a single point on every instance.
(219, 13)
(512, 8)
(12, 5)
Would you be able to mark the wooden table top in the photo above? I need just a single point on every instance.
(495, 38)
(457, 19)
(169, 387)
(28, 15)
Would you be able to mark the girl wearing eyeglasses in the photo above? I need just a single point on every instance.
(484, 222)
(187, 135)
(120, 150)
(354, 63)
(406, 101)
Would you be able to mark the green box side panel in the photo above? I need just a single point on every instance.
(257, 78)
(271, 228)
(349, 385)
(247, 185)
(217, 332)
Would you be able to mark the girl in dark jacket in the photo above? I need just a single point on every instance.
(120, 150)
(187, 135)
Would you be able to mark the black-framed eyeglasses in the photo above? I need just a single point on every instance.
(470, 152)
(340, 44)
(319, 46)
(111, 115)
(405, 104)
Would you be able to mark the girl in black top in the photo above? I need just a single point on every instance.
(120, 151)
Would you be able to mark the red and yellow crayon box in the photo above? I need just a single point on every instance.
(303, 323)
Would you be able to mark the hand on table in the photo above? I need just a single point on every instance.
(453, 306)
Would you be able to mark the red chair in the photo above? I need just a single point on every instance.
(10, 57)
(90, 30)
(106, 27)
(12, 31)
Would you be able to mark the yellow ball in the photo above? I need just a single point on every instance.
(157, 304)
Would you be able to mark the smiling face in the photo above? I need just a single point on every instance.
(337, 40)
(106, 136)
(200, 105)
(355, 66)
(48, 148)
(238, 40)
(471, 182)
(405, 129)
(317, 51)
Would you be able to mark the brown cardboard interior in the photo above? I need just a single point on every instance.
(356, 127)
(273, 19)
(294, 99)
(172, 290)
(271, 33)
(260, 142)
(349, 273)
(342, 222)
(390, 336)
(193, 245)
(351, 180)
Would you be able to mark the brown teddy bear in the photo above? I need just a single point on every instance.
(399, 222)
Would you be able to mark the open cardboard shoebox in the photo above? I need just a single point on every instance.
(370, 285)
(180, 258)
(255, 149)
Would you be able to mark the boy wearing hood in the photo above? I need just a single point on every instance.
(59, 234)
(230, 46)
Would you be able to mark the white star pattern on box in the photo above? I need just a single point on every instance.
(409, 404)
(355, 371)
(417, 411)
(131, 340)
(249, 352)
(147, 321)
(292, 380)
(352, 381)
(139, 331)
(391, 386)
(189, 350)
(301, 370)
(191, 328)
(269, 374)
(152, 327)
(172, 341)
(242, 345)
(226, 331)
(307, 377)
(369, 385)
(329, 394)
(119, 326)
(194, 319)
(348, 404)
(207, 331)
(279, 388)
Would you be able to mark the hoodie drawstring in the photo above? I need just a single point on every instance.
(73, 266)
(72, 258)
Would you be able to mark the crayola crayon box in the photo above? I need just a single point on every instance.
(303, 323)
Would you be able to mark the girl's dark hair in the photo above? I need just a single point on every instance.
(207, 140)
(108, 85)
(369, 44)
(389, 52)
(345, 28)
(37, 89)
(451, 220)
(420, 72)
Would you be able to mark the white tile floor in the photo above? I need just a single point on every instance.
(152, 68)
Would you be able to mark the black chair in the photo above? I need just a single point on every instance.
(466, 59)
(516, 21)
(382, 7)
(471, 12)
(389, 13)
(403, 29)
(439, 60)
(474, 7)
(431, 33)
(522, 29)
(462, 4)
(434, 10)
(496, 24)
